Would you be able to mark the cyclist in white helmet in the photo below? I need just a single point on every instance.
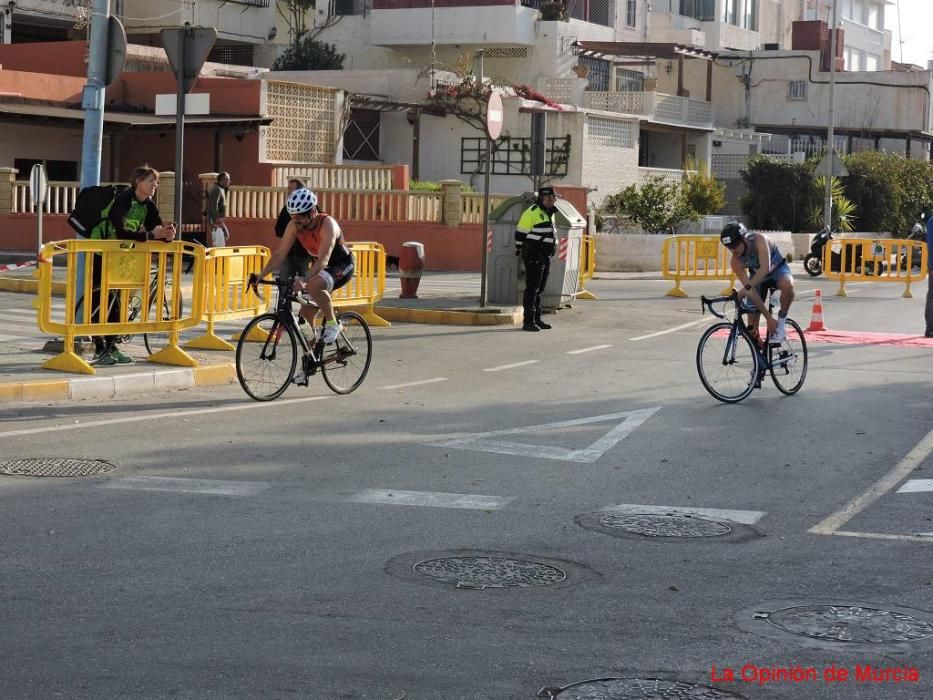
(321, 236)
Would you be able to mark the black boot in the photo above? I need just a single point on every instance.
(531, 327)
(542, 325)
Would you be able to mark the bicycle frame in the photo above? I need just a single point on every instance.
(740, 327)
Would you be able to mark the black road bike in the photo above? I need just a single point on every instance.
(267, 354)
(732, 363)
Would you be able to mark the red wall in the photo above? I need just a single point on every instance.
(18, 231)
(57, 58)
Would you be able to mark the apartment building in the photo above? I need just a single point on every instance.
(719, 24)
(867, 42)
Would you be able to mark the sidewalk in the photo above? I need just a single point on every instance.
(444, 298)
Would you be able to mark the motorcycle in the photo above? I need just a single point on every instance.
(813, 261)
(917, 234)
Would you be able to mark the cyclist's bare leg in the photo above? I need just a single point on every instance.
(786, 286)
(317, 290)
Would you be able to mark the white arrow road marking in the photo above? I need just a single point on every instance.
(211, 487)
(481, 442)
(430, 499)
(743, 517)
(916, 486)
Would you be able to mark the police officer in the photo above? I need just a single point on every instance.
(535, 238)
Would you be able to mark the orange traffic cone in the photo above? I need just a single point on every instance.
(816, 316)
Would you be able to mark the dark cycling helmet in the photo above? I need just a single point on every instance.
(301, 201)
(732, 233)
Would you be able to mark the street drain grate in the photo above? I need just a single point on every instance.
(666, 525)
(849, 623)
(66, 467)
(634, 688)
(489, 572)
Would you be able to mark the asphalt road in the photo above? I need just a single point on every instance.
(381, 545)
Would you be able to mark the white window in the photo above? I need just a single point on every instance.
(876, 17)
(858, 59)
(872, 62)
(847, 54)
(630, 15)
(847, 10)
(797, 90)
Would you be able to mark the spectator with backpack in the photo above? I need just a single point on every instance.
(131, 215)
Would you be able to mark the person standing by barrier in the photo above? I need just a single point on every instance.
(767, 270)
(929, 309)
(297, 261)
(132, 216)
(535, 237)
(217, 210)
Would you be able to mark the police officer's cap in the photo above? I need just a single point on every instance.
(547, 192)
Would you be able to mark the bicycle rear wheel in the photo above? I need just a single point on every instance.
(789, 360)
(265, 368)
(159, 341)
(346, 362)
(727, 363)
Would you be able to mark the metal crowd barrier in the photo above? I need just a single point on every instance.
(875, 260)
(368, 283)
(129, 268)
(695, 258)
(587, 267)
(227, 295)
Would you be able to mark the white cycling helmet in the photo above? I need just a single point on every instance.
(301, 201)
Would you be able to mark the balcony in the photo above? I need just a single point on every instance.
(654, 106)
(462, 22)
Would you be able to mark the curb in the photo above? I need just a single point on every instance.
(23, 285)
(449, 318)
(117, 386)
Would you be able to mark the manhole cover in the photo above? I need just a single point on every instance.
(849, 623)
(489, 572)
(666, 525)
(56, 467)
(626, 688)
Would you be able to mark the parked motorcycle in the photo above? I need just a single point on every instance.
(813, 261)
(917, 234)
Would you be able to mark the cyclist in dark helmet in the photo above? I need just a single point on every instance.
(760, 267)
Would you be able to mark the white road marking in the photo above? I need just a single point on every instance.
(423, 381)
(212, 487)
(876, 490)
(582, 350)
(153, 416)
(480, 442)
(514, 364)
(744, 517)
(430, 499)
(916, 486)
(4, 338)
(671, 330)
(919, 537)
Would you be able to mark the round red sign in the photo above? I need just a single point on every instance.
(494, 116)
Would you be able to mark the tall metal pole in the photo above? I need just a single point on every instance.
(180, 126)
(92, 99)
(830, 132)
(479, 89)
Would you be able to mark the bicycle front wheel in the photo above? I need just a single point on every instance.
(265, 368)
(727, 363)
(346, 362)
(789, 360)
(159, 341)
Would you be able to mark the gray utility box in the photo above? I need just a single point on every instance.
(505, 284)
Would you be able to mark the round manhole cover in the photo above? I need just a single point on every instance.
(850, 623)
(56, 467)
(489, 572)
(631, 688)
(666, 525)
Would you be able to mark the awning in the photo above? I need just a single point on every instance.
(648, 50)
(58, 115)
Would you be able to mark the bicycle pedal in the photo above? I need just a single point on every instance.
(300, 379)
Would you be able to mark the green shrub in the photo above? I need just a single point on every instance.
(843, 212)
(779, 194)
(431, 186)
(703, 193)
(310, 54)
(657, 206)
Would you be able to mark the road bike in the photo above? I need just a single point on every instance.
(267, 353)
(732, 362)
(154, 341)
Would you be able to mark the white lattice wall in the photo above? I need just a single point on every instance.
(610, 155)
(304, 126)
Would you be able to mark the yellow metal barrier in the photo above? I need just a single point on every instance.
(695, 258)
(587, 267)
(875, 260)
(368, 283)
(227, 295)
(127, 267)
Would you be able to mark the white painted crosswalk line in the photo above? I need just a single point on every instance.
(916, 486)
(431, 499)
(743, 517)
(210, 487)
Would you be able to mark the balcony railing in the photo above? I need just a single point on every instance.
(655, 105)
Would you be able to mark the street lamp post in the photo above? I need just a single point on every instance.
(830, 132)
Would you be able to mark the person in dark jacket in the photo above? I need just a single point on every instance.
(535, 242)
(298, 260)
(131, 216)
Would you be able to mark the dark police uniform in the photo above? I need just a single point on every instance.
(535, 240)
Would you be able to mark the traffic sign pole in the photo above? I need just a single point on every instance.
(180, 130)
(38, 192)
(493, 130)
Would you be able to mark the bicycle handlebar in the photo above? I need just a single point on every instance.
(706, 303)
